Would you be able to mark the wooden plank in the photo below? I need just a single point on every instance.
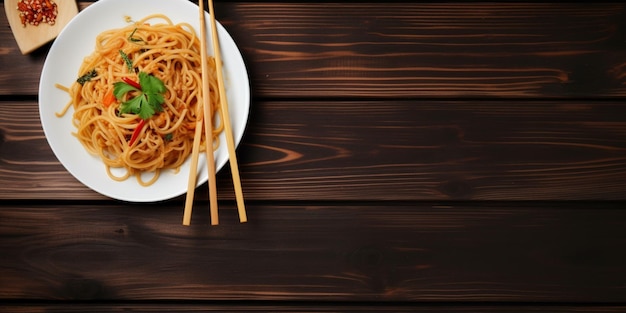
(433, 49)
(408, 50)
(300, 307)
(381, 150)
(412, 252)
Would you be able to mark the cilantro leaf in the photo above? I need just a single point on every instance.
(145, 111)
(121, 88)
(150, 84)
(155, 100)
(132, 106)
(153, 88)
(146, 101)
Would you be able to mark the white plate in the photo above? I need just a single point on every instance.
(75, 42)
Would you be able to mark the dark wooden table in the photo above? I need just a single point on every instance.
(455, 157)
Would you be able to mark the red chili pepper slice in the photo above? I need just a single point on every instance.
(131, 82)
(136, 132)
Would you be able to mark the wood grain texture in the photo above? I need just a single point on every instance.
(416, 252)
(381, 150)
(408, 50)
(399, 157)
(302, 307)
(434, 50)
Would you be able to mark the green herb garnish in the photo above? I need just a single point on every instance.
(146, 101)
(129, 63)
(133, 39)
(87, 77)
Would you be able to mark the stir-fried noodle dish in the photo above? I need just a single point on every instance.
(138, 96)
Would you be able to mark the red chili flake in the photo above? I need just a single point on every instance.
(35, 12)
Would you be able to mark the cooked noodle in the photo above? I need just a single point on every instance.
(167, 51)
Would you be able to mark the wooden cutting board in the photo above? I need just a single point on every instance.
(31, 37)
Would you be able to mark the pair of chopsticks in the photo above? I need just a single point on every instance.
(208, 129)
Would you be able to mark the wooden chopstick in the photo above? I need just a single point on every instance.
(191, 184)
(230, 142)
(208, 129)
(208, 121)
